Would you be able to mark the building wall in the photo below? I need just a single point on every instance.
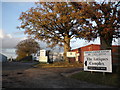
(3, 58)
(91, 47)
(116, 55)
(77, 58)
(94, 47)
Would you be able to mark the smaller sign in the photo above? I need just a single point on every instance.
(42, 52)
(43, 59)
(71, 54)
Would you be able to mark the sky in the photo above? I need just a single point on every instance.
(10, 36)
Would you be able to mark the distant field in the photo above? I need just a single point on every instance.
(98, 78)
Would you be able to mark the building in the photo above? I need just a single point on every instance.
(48, 56)
(3, 58)
(57, 57)
(94, 47)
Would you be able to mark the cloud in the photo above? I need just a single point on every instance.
(9, 52)
(77, 43)
(9, 41)
(18, 32)
(57, 0)
(19, 0)
(1, 34)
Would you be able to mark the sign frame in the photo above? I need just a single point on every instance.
(99, 61)
(71, 54)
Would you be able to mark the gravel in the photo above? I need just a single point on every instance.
(24, 75)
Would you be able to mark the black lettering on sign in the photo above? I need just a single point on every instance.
(85, 63)
(97, 68)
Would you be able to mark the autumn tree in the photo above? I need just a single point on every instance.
(52, 22)
(27, 48)
(102, 20)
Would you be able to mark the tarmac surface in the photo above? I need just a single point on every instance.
(24, 75)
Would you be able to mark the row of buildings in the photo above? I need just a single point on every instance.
(79, 54)
(93, 47)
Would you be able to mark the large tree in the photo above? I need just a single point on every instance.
(102, 20)
(27, 48)
(52, 22)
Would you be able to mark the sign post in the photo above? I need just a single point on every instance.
(99, 61)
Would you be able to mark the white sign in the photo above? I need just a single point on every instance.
(71, 54)
(43, 59)
(42, 52)
(98, 61)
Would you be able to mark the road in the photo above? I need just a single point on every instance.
(23, 75)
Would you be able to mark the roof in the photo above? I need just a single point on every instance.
(3, 55)
(86, 46)
(95, 45)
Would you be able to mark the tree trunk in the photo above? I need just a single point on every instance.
(66, 47)
(106, 44)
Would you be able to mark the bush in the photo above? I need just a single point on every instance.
(27, 58)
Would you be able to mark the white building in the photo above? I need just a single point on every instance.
(57, 56)
(45, 56)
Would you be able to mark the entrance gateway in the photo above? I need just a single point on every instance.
(99, 61)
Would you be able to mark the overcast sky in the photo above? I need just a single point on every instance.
(10, 36)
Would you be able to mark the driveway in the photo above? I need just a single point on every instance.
(23, 75)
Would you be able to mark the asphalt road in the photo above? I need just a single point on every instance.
(23, 75)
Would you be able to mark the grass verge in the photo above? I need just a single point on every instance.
(110, 79)
(60, 64)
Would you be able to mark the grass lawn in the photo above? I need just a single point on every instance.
(110, 79)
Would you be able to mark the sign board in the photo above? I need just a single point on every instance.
(43, 59)
(42, 52)
(71, 54)
(98, 61)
